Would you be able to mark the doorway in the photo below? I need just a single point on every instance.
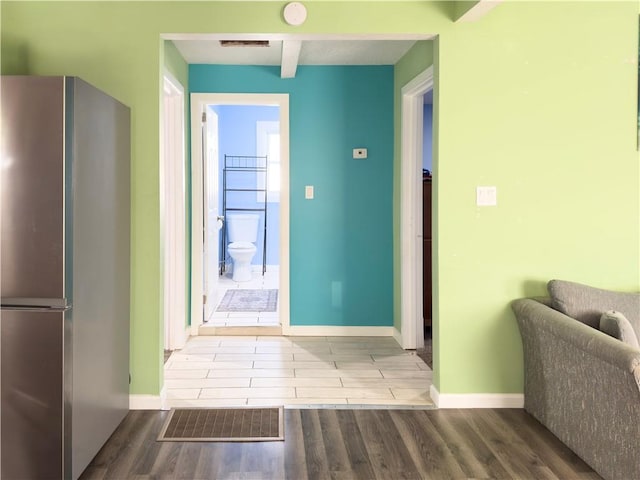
(426, 351)
(247, 160)
(236, 181)
(411, 220)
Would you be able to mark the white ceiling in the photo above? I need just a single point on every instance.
(312, 52)
(291, 50)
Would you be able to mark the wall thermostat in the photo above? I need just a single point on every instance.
(359, 153)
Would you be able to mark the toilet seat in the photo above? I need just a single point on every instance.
(242, 246)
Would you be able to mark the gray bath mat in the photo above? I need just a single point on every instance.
(240, 300)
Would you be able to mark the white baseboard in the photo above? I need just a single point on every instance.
(476, 400)
(148, 402)
(194, 329)
(262, 330)
(338, 331)
(397, 335)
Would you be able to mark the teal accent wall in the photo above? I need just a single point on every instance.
(341, 242)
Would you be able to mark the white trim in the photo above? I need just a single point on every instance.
(298, 36)
(290, 56)
(194, 330)
(211, 224)
(264, 128)
(397, 335)
(148, 402)
(411, 209)
(240, 330)
(337, 331)
(479, 10)
(476, 400)
(175, 83)
(173, 211)
(198, 101)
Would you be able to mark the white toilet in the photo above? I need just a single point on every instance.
(243, 232)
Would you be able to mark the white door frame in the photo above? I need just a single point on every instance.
(173, 214)
(198, 102)
(411, 241)
(211, 227)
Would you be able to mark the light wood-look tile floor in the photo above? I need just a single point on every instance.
(244, 319)
(213, 371)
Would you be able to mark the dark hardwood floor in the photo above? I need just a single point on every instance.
(350, 444)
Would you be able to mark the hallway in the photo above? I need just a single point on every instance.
(296, 371)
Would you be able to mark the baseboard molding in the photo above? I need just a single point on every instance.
(338, 331)
(397, 335)
(264, 330)
(476, 400)
(148, 402)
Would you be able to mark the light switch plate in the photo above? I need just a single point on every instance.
(486, 196)
(308, 192)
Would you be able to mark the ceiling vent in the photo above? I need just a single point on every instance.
(244, 43)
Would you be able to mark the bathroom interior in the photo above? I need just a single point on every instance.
(248, 200)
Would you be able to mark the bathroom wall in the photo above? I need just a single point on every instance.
(341, 243)
(237, 129)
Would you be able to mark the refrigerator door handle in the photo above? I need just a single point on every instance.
(39, 303)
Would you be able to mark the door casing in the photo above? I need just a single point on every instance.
(173, 195)
(411, 242)
(198, 103)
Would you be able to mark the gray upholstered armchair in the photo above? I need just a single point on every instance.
(581, 383)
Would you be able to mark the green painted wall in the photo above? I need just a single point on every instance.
(548, 118)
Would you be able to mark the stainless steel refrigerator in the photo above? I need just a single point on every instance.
(64, 255)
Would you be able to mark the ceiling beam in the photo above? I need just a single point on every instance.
(290, 56)
(471, 11)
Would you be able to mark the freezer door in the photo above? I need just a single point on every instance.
(32, 189)
(32, 393)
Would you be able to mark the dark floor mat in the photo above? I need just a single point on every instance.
(223, 425)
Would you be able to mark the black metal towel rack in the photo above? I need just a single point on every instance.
(243, 164)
